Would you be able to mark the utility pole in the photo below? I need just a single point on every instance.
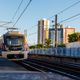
(56, 31)
(25, 33)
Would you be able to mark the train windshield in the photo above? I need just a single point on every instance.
(15, 41)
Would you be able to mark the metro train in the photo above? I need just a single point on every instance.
(13, 46)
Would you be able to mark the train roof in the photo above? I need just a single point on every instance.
(14, 33)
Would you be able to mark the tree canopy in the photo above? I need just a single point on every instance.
(74, 37)
(47, 43)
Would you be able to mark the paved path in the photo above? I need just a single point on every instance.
(31, 76)
(6, 65)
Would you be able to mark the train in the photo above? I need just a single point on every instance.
(14, 46)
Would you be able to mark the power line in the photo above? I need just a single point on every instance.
(66, 8)
(36, 32)
(6, 23)
(70, 17)
(2, 25)
(32, 27)
(32, 33)
(69, 7)
(62, 12)
(22, 13)
(72, 20)
(17, 10)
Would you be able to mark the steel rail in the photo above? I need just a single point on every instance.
(28, 66)
(45, 66)
(24, 63)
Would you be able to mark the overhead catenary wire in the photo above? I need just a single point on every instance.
(62, 12)
(4, 21)
(66, 8)
(32, 33)
(69, 7)
(22, 12)
(3, 25)
(17, 10)
(36, 32)
(70, 18)
(32, 27)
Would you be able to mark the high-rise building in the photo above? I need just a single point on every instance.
(62, 35)
(43, 30)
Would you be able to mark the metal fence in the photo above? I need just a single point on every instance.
(68, 52)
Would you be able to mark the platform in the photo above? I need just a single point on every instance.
(26, 75)
(7, 65)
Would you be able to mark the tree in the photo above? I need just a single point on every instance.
(39, 46)
(32, 47)
(47, 43)
(36, 46)
(61, 45)
(74, 37)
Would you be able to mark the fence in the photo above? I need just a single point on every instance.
(68, 52)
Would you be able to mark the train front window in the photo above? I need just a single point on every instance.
(15, 41)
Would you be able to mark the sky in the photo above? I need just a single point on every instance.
(37, 10)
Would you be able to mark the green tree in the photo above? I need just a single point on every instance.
(47, 43)
(61, 45)
(32, 47)
(36, 46)
(74, 37)
(39, 46)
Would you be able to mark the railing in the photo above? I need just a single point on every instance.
(67, 52)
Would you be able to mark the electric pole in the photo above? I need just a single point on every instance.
(56, 31)
(25, 33)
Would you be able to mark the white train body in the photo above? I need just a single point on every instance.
(13, 46)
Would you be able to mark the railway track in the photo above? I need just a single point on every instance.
(28, 66)
(45, 66)
(62, 68)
